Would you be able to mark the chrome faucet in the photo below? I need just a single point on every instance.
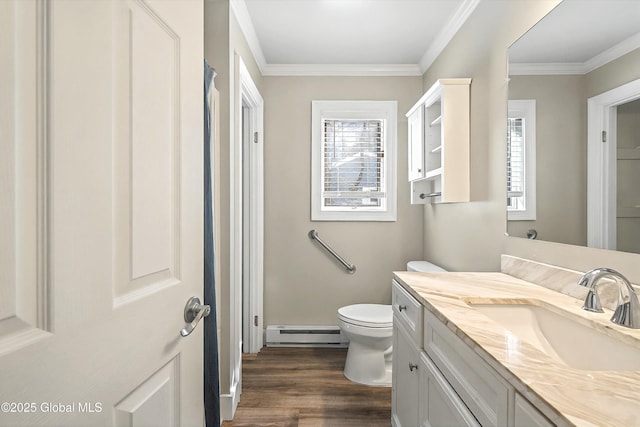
(627, 312)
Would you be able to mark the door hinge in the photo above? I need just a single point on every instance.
(255, 141)
(604, 136)
(255, 320)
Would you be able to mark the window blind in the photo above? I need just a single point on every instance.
(515, 163)
(353, 163)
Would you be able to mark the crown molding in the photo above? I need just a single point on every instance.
(239, 8)
(614, 52)
(543, 69)
(448, 31)
(342, 70)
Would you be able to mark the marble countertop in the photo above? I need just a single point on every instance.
(576, 396)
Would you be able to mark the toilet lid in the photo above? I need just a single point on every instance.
(371, 315)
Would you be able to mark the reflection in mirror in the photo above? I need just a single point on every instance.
(579, 50)
(628, 177)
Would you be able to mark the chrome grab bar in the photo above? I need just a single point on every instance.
(434, 194)
(313, 235)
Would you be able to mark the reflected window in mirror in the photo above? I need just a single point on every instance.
(521, 160)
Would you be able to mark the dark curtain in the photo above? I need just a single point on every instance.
(211, 371)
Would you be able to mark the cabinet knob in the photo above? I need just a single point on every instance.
(402, 307)
(412, 366)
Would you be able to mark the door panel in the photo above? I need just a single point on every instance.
(23, 284)
(103, 240)
(154, 402)
(146, 128)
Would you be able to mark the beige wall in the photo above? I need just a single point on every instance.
(623, 70)
(302, 284)
(561, 157)
(223, 42)
(470, 236)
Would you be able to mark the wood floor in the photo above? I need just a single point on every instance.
(306, 387)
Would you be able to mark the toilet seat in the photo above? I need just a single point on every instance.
(367, 315)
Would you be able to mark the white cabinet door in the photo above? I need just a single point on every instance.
(406, 359)
(416, 143)
(527, 415)
(440, 406)
(101, 207)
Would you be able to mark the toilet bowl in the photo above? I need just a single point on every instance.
(369, 328)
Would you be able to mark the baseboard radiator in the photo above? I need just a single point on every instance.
(305, 336)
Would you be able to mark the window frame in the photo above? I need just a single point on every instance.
(526, 109)
(346, 110)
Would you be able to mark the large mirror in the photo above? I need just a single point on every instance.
(581, 49)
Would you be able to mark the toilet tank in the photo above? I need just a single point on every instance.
(423, 266)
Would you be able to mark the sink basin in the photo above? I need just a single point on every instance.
(564, 337)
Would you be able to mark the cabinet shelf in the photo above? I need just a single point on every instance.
(435, 173)
(437, 121)
(437, 149)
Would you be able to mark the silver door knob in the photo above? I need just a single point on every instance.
(193, 312)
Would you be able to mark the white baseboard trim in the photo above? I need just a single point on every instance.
(229, 403)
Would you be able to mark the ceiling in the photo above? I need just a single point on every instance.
(404, 37)
(343, 37)
(578, 36)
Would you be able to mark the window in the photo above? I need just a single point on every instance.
(521, 160)
(353, 161)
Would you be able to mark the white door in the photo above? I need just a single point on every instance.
(100, 212)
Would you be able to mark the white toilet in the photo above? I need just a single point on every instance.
(369, 328)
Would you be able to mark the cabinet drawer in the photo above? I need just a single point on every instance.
(408, 312)
(439, 403)
(483, 392)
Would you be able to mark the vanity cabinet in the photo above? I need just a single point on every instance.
(407, 342)
(438, 145)
(420, 395)
(438, 380)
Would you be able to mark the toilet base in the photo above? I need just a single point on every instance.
(368, 367)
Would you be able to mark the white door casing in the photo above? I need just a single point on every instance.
(101, 187)
(253, 154)
(601, 163)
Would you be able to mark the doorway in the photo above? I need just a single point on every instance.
(248, 228)
(602, 165)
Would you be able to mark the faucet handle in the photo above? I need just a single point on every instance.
(622, 315)
(628, 313)
(592, 302)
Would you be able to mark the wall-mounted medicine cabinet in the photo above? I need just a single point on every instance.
(439, 144)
